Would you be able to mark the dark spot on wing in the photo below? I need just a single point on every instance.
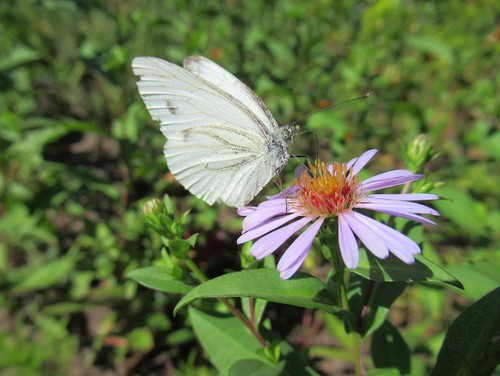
(186, 133)
(171, 108)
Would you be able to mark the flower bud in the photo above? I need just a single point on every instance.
(418, 152)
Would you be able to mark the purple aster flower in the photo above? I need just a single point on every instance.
(334, 190)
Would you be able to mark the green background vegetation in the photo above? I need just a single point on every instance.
(79, 155)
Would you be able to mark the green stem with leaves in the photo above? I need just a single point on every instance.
(337, 284)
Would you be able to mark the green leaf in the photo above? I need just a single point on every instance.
(35, 277)
(18, 55)
(392, 269)
(225, 339)
(384, 372)
(140, 339)
(477, 282)
(462, 210)
(432, 45)
(158, 278)
(471, 345)
(303, 290)
(179, 337)
(297, 360)
(254, 367)
(372, 301)
(490, 145)
(389, 350)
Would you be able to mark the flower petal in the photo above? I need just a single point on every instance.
(401, 209)
(286, 192)
(266, 227)
(411, 217)
(367, 235)
(348, 244)
(400, 245)
(395, 206)
(272, 241)
(299, 170)
(263, 214)
(389, 179)
(295, 255)
(356, 164)
(405, 196)
(246, 210)
(277, 202)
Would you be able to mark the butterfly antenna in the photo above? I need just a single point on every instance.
(330, 107)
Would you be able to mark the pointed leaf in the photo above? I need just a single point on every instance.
(389, 349)
(37, 277)
(224, 338)
(303, 290)
(471, 345)
(254, 367)
(476, 279)
(374, 309)
(392, 269)
(157, 278)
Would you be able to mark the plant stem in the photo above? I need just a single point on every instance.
(340, 280)
(355, 336)
(244, 320)
(196, 271)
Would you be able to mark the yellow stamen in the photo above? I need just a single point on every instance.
(325, 190)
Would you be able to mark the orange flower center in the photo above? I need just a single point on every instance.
(325, 190)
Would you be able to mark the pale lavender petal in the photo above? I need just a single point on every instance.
(287, 273)
(389, 179)
(400, 245)
(411, 217)
(246, 210)
(262, 215)
(299, 170)
(397, 206)
(405, 196)
(359, 162)
(266, 227)
(348, 244)
(367, 235)
(277, 202)
(291, 190)
(295, 255)
(271, 242)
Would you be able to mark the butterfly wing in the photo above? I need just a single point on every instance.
(221, 78)
(216, 145)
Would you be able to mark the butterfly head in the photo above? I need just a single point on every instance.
(281, 138)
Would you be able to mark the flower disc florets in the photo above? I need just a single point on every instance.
(325, 190)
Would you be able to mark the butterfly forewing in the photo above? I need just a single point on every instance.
(180, 99)
(224, 80)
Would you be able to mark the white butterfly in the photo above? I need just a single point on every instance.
(223, 143)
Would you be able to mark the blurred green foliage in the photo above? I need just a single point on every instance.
(80, 154)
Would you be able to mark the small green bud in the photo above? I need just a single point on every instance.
(419, 152)
(273, 353)
(152, 211)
